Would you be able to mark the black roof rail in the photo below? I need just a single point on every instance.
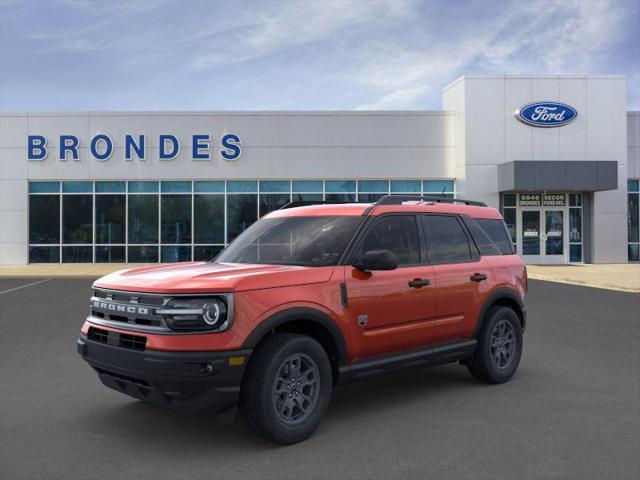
(399, 199)
(306, 203)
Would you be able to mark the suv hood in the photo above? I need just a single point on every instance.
(205, 277)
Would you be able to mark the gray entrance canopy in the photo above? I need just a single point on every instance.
(586, 176)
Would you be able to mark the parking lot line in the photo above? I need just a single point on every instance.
(25, 286)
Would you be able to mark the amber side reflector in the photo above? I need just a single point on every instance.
(236, 361)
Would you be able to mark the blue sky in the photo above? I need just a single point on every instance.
(302, 55)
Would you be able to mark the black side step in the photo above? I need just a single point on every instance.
(426, 357)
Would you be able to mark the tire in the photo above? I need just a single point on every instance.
(273, 402)
(496, 358)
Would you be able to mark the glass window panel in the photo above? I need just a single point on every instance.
(110, 218)
(209, 187)
(242, 211)
(177, 253)
(575, 253)
(143, 254)
(208, 218)
(370, 197)
(633, 252)
(447, 241)
(77, 219)
(497, 235)
(340, 185)
(77, 254)
(44, 254)
(176, 219)
(108, 254)
(44, 218)
(632, 216)
(173, 187)
(575, 225)
(242, 186)
(77, 187)
(509, 200)
(397, 233)
(341, 197)
(530, 232)
(274, 186)
(438, 186)
(575, 199)
(554, 230)
(44, 187)
(206, 252)
(307, 197)
(510, 219)
(405, 186)
(271, 202)
(373, 186)
(143, 187)
(143, 219)
(307, 185)
(111, 187)
(633, 185)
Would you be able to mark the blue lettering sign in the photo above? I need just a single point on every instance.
(230, 146)
(130, 144)
(108, 147)
(69, 143)
(201, 142)
(164, 155)
(37, 147)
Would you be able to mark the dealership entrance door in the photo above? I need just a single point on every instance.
(543, 228)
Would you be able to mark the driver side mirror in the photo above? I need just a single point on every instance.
(377, 260)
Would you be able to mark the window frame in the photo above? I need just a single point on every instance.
(474, 252)
(354, 249)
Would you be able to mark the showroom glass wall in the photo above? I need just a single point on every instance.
(174, 221)
(633, 223)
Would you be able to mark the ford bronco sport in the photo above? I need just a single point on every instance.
(309, 297)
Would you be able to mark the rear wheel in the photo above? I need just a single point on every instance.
(499, 346)
(287, 388)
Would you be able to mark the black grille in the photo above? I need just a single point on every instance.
(137, 381)
(122, 340)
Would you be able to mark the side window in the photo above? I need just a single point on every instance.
(398, 234)
(447, 240)
(497, 232)
(485, 244)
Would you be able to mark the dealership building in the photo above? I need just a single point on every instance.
(558, 154)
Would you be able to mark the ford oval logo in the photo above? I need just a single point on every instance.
(546, 114)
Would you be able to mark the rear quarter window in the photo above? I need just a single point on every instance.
(492, 237)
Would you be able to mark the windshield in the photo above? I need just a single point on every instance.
(305, 241)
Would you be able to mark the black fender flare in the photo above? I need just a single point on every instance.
(296, 314)
(496, 297)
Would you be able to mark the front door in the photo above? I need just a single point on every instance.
(542, 235)
(391, 310)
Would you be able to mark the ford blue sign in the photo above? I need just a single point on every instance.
(546, 114)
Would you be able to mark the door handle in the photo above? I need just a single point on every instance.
(419, 282)
(478, 277)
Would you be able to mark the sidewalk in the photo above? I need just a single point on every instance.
(621, 277)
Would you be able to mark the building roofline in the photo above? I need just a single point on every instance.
(530, 76)
(302, 113)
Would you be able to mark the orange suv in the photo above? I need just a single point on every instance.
(309, 297)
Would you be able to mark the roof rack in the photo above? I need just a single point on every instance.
(399, 199)
(306, 203)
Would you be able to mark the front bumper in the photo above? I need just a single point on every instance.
(194, 381)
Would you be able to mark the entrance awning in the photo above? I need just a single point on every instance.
(587, 176)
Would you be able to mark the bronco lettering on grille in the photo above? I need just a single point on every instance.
(115, 307)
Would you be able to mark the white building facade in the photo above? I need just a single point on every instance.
(144, 187)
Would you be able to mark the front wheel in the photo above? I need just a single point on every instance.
(287, 388)
(499, 346)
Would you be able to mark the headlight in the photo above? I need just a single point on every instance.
(197, 314)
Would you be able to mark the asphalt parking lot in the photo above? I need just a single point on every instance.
(571, 411)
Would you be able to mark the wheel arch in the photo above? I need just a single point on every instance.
(503, 297)
(306, 321)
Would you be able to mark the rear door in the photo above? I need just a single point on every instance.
(391, 310)
(461, 277)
